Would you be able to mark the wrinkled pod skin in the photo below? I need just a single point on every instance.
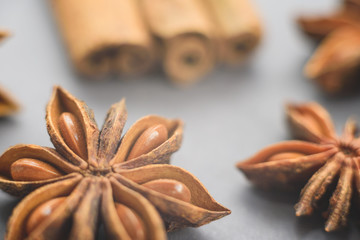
(123, 183)
(131, 221)
(318, 163)
(71, 131)
(334, 64)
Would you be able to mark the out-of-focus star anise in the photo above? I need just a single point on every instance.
(97, 180)
(8, 104)
(335, 65)
(3, 35)
(325, 162)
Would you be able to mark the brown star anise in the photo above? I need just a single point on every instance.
(96, 178)
(8, 105)
(335, 65)
(3, 35)
(327, 163)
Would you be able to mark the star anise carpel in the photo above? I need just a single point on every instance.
(335, 65)
(322, 163)
(8, 104)
(3, 34)
(97, 178)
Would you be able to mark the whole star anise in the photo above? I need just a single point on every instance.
(96, 178)
(335, 65)
(325, 162)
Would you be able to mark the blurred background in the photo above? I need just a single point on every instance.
(229, 115)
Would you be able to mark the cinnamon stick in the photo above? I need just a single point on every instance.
(104, 36)
(185, 36)
(238, 27)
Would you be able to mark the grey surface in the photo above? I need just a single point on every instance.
(229, 116)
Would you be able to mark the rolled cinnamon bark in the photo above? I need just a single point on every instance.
(238, 27)
(185, 36)
(104, 36)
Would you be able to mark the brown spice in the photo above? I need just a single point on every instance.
(98, 183)
(238, 28)
(3, 35)
(8, 104)
(319, 162)
(185, 37)
(104, 37)
(335, 64)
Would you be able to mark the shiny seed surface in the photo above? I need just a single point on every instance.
(150, 139)
(29, 169)
(42, 212)
(73, 133)
(285, 155)
(131, 221)
(170, 187)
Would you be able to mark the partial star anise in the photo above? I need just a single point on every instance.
(335, 65)
(3, 35)
(97, 180)
(8, 105)
(325, 163)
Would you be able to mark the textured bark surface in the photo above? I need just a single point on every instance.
(104, 36)
(186, 37)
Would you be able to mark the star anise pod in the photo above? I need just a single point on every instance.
(97, 180)
(335, 65)
(8, 105)
(325, 163)
(3, 35)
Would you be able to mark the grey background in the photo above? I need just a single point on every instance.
(229, 116)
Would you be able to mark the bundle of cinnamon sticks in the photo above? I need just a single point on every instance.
(185, 37)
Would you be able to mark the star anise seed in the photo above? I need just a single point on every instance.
(96, 178)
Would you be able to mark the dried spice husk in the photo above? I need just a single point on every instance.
(335, 64)
(238, 28)
(105, 37)
(97, 178)
(185, 37)
(8, 104)
(3, 34)
(322, 163)
(201, 210)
